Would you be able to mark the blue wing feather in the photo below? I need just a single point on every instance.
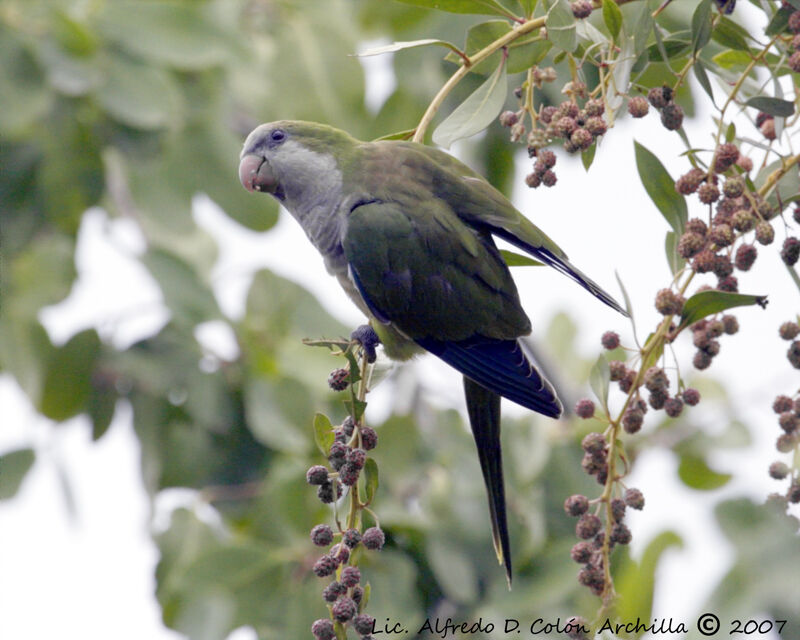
(500, 366)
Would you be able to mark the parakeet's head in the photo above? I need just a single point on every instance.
(287, 156)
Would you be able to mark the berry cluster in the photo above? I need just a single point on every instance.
(662, 99)
(788, 410)
(592, 550)
(344, 595)
(789, 331)
(655, 380)
(347, 457)
(578, 127)
(738, 211)
(704, 336)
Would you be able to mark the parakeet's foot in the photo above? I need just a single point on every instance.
(366, 335)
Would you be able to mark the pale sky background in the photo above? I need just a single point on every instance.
(90, 574)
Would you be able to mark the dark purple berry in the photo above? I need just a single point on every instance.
(350, 577)
(325, 492)
(691, 397)
(782, 404)
(348, 475)
(333, 591)
(582, 552)
(588, 526)
(343, 609)
(373, 539)
(673, 407)
(634, 499)
(322, 535)
(581, 9)
(594, 443)
(610, 340)
(325, 566)
(672, 116)
(317, 475)
(339, 379)
(369, 438)
(322, 629)
(351, 538)
(584, 408)
(791, 251)
(632, 420)
(668, 302)
(655, 379)
(793, 354)
(617, 370)
(690, 244)
(745, 257)
(779, 470)
(638, 107)
(576, 505)
(363, 624)
(617, 509)
(620, 533)
(789, 330)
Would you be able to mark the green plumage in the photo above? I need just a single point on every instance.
(408, 232)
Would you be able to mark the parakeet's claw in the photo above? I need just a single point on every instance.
(369, 340)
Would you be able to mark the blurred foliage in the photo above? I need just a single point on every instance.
(137, 107)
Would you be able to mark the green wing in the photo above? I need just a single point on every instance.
(479, 205)
(418, 266)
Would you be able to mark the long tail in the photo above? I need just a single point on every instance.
(483, 407)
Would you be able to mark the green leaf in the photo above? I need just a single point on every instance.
(772, 106)
(665, 50)
(370, 478)
(410, 44)
(26, 96)
(67, 381)
(462, 6)
(784, 190)
(140, 96)
(701, 25)
(560, 24)
(14, 465)
(654, 355)
(730, 133)
(642, 28)
(479, 37)
(628, 306)
(694, 472)
(599, 378)
(189, 299)
(477, 112)
(676, 263)
(706, 303)
(612, 16)
(702, 77)
(730, 34)
(178, 34)
(513, 259)
(661, 188)
(587, 157)
(730, 59)
(779, 21)
(635, 582)
(323, 433)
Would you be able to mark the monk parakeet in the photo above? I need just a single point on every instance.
(407, 230)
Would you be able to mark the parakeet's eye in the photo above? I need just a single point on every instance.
(277, 136)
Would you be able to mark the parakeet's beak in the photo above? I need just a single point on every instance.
(255, 174)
